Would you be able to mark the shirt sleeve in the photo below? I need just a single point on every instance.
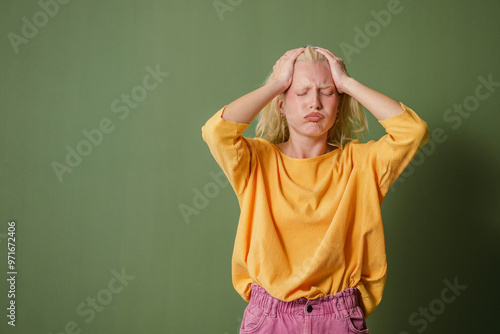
(391, 154)
(230, 149)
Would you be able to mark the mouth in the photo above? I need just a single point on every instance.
(314, 116)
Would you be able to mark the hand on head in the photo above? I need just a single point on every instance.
(283, 69)
(337, 67)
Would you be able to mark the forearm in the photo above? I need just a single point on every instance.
(247, 107)
(380, 105)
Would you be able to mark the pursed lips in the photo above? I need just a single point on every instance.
(314, 116)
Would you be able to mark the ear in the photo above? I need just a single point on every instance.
(281, 102)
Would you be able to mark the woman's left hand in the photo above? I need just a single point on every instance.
(337, 67)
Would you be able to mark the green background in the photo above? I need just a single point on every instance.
(119, 208)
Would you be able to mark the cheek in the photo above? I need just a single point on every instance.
(292, 99)
(296, 103)
(332, 103)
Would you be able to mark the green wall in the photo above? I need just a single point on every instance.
(102, 104)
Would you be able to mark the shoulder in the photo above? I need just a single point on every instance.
(261, 149)
(357, 151)
(260, 144)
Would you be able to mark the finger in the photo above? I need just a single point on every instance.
(323, 51)
(327, 53)
(331, 56)
(294, 53)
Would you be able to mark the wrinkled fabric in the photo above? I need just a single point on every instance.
(313, 227)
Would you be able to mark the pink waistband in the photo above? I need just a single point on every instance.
(339, 303)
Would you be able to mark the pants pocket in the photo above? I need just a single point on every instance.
(253, 317)
(356, 321)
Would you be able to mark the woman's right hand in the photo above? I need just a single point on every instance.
(283, 69)
(245, 108)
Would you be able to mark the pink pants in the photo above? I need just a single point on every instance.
(339, 313)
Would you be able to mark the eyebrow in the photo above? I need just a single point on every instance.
(307, 86)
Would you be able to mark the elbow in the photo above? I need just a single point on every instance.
(207, 133)
(422, 135)
(203, 132)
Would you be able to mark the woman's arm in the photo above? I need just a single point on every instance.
(246, 108)
(380, 105)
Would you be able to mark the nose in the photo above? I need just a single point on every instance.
(315, 102)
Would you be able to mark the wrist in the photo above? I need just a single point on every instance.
(348, 86)
(277, 87)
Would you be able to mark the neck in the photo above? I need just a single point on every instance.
(307, 148)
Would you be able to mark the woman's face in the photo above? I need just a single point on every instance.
(312, 91)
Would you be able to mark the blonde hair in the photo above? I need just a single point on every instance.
(351, 123)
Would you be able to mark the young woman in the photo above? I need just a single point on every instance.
(309, 254)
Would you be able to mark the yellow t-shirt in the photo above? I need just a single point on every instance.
(312, 227)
